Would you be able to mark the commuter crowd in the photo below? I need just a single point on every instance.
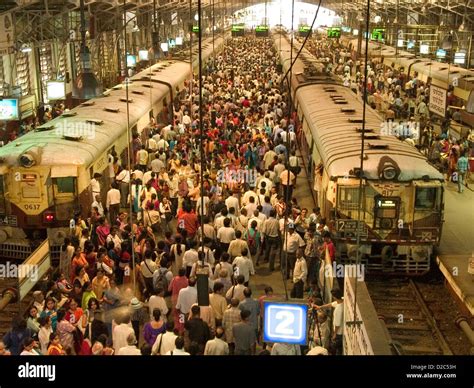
(173, 276)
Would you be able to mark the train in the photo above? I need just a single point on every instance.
(401, 216)
(444, 75)
(45, 175)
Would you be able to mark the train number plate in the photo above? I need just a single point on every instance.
(350, 227)
(8, 221)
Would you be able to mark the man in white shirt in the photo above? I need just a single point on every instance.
(237, 246)
(226, 234)
(233, 201)
(179, 348)
(165, 342)
(121, 333)
(158, 301)
(190, 257)
(187, 297)
(113, 236)
(291, 243)
(142, 158)
(299, 276)
(338, 318)
(131, 348)
(237, 291)
(217, 346)
(98, 204)
(95, 185)
(113, 203)
(244, 266)
(157, 164)
(123, 179)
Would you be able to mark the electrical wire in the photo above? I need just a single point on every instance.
(361, 173)
(285, 270)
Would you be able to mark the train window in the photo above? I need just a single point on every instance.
(425, 197)
(348, 197)
(65, 185)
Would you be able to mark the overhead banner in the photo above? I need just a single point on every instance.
(7, 39)
(438, 100)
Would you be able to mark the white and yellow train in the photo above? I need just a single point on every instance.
(402, 193)
(45, 175)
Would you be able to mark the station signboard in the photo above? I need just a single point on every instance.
(438, 100)
(285, 322)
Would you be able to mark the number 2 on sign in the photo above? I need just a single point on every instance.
(286, 319)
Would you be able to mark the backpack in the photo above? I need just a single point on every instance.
(161, 281)
(252, 242)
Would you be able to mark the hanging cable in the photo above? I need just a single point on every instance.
(362, 145)
(201, 130)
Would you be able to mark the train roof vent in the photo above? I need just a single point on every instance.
(138, 92)
(352, 120)
(335, 95)
(125, 100)
(147, 86)
(340, 102)
(369, 130)
(45, 127)
(117, 87)
(443, 68)
(88, 103)
(329, 89)
(377, 146)
(371, 136)
(72, 137)
(68, 114)
(95, 121)
(348, 110)
(112, 110)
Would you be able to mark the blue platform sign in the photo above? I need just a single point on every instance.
(285, 322)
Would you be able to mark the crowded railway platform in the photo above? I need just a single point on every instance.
(170, 230)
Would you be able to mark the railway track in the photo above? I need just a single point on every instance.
(411, 324)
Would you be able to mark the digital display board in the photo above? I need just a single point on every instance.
(261, 31)
(334, 32)
(285, 322)
(164, 47)
(179, 41)
(304, 31)
(440, 53)
(460, 58)
(195, 29)
(143, 55)
(400, 43)
(238, 29)
(424, 49)
(55, 90)
(378, 34)
(131, 60)
(9, 109)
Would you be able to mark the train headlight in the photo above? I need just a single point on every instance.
(48, 217)
(389, 173)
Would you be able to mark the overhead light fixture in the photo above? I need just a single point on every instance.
(377, 19)
(461, 27)
(196, 17)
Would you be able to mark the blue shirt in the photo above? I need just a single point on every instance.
(463, 164)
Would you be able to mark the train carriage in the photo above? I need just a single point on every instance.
(45, 175)
(402, 194)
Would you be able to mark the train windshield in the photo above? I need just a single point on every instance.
(425, 197)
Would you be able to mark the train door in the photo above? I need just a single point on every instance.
(65, 196)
